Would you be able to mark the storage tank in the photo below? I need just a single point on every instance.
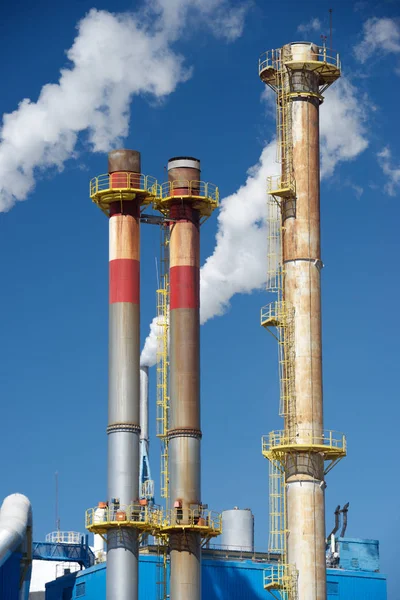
(238, 529)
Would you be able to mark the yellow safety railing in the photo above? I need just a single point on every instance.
(276, 186)
(281, 577)
(274, 313)
(123, 181)
(209, 520)
(119, 515)
(328, 439)
(200, 189)
(271, 59)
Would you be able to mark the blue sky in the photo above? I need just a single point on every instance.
(194, 90)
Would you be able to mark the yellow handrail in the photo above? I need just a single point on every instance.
(117, 514)
(328, 439)
(123, 181)
(271, 58)
(208, 519)
(184, 187)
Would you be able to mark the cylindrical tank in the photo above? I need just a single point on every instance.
(238, 529)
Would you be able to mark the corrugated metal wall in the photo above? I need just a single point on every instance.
(222, 580)
(345, 585)
(9, 578)
(63, 588)
(359, 555)
(232, 580)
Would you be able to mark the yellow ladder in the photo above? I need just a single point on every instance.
(274, 246)
(162, 568)
(284, 125)
(286, 350)
(277, 509)
(281, 580)
(163, 359)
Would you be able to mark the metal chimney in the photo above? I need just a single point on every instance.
(146, 484)
(185, 201)
(120, 194)
(299, 73)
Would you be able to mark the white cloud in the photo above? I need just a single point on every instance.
(312, 25)
(343, 125)
(392, 172)
(379, 36)
(113, 58)
(221, 16)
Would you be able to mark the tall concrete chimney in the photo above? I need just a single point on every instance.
(185, 201)
(299, 73)
(120, 194)
(124, 364)
(184, 427)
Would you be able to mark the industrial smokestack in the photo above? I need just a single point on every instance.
(120, 195)
(124, 167)
(299, 73)
(146, 484)
(184, 433)
(144, 404)
(302, 290)
(185, 201)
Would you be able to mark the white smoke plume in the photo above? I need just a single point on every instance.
(148, 356)
(238, 263)
(113, 58)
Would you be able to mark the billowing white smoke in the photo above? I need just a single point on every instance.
(113, 58)
(238, 263)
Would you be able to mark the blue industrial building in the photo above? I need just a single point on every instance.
(239, 578)
(10, 573)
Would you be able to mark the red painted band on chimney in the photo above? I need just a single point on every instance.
(124, 280)
(183, 211)
(184, 287)
(127, 207)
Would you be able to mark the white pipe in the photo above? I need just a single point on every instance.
(144, 404)
(15, 516)
(16, 534)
